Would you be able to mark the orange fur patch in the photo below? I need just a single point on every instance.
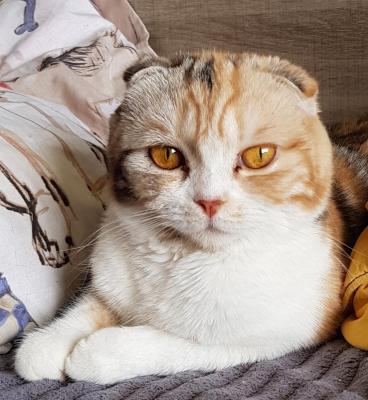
(101, 316)
(332, 287)
(234, 90)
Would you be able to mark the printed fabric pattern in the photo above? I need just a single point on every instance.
(52, 193)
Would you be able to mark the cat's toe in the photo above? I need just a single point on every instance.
(90, 362)
(107, 356)
(41, 356)
(86, 362)
(79, 363)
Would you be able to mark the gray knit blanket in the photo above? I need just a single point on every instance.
(332, 371)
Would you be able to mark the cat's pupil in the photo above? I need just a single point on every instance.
(260, 153)
(167, 153)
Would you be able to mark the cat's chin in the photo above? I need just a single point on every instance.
(212, 239)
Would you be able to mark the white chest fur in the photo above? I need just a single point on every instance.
(254, 292)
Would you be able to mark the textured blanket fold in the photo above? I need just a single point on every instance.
(334, 371)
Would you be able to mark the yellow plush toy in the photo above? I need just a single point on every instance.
(355, 327)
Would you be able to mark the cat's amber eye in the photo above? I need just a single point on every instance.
(166, 157)
(258, 156)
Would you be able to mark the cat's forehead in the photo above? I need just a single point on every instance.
(232, 97)
(227, 98)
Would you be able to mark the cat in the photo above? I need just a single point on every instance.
(227, 233)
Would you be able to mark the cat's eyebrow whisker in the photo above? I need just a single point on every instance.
(142, 212)
(342, 246)
(334, 220)
(334, 240)
(348, 247)
(150, 226)
(82, 247)
(146, 222)
(91, 238)
(81, 273)
(90, 243)
(76, 278)
(343, 253)
(344, 267)
(148, 219)
(339, 242)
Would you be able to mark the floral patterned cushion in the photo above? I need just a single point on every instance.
(52, 180)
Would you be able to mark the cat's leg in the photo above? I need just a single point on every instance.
(43, 351)
(113, 354)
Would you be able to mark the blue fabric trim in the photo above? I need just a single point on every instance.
(20, 313)
(4, 315)
(19, 310)
(29, 23)
(4, 287)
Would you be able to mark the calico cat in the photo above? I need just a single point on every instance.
(228, 230)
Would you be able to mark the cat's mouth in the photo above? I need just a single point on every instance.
(211, 237)
(213, 229)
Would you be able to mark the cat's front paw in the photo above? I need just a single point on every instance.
(115, 354)
(42, 355)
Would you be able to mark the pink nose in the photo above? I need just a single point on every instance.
(210, 207)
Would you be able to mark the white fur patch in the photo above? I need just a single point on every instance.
(309, 105)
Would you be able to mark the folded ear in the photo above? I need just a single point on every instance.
(293, 73)
(144, 65)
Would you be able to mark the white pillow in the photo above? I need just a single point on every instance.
(32, 29)
(52, 180)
